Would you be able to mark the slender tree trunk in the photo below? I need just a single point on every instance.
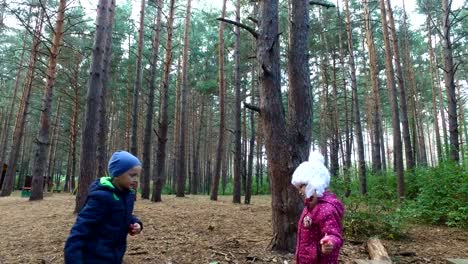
(181, 164)
(420, 146)
(163, 112)
(433, 88)
(462, 122)
(252, 141)
(335, 143)
(401, 90)
(9, 180)
(348, 131)
(222, 111)
(145, 191)
(176, 127)
(53, 148)
(397, 144)
(376, 157)
(74, 120)
(88, 164)
(128, 104)
(357, 114)
(103, 127)
(449, 75)
(137, 83)
(196, 160)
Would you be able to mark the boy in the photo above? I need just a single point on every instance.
(100, 232)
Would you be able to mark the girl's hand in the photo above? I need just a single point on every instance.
(327, 244)
(134, 229)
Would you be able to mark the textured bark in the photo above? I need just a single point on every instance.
(163, 120)
(397, 144)
(356, 107)
(401, 91)
(376, 157)
(237, 115)
(74, 120)
(137, 82)
(449, 76)
(285, 199)
(222, 111)
(176, 128)
(88, 164)
(9, 180)
(299, 99)
(248, 192)
(335, 136)
(196, 155)
(51, 161)
(103, 123)
(181, 159)
(148, 140)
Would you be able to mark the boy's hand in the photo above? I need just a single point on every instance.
(327, 244)
(134, 229)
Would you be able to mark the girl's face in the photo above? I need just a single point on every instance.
(301, 189)
(128, 179)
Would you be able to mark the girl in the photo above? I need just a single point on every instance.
(319, 235)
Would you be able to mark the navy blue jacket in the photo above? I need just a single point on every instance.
(100, 232)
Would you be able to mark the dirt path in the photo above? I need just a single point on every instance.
(193, 230)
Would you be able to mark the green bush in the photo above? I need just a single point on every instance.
(442, 196)
(366, 217)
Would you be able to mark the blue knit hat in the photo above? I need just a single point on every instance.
(121, 161)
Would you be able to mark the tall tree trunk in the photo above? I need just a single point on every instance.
(397, 144)
(148, 140)
(462, 123)
(50, 167)
(176, 127)
(9, 180)
(376, 157)
(285, 198)
(335, 143)
(449, 75)
(252, 141)
(137, 83)
(433, 88)
(222, 111)
(181, 164)
(401, 90)
(103, 127)
(196, 159)
(74, 120)
(356, 107)
(348, 129)
(420, 146)
(163, 112)
(88, 164)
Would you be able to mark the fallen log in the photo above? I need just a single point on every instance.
(377, 253)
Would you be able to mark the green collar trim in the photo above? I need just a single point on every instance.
(107, 181)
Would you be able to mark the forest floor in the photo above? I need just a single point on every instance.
(195, 230)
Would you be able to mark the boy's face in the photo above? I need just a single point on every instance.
(128, 179)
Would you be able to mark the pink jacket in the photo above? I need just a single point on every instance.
(324, 218)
